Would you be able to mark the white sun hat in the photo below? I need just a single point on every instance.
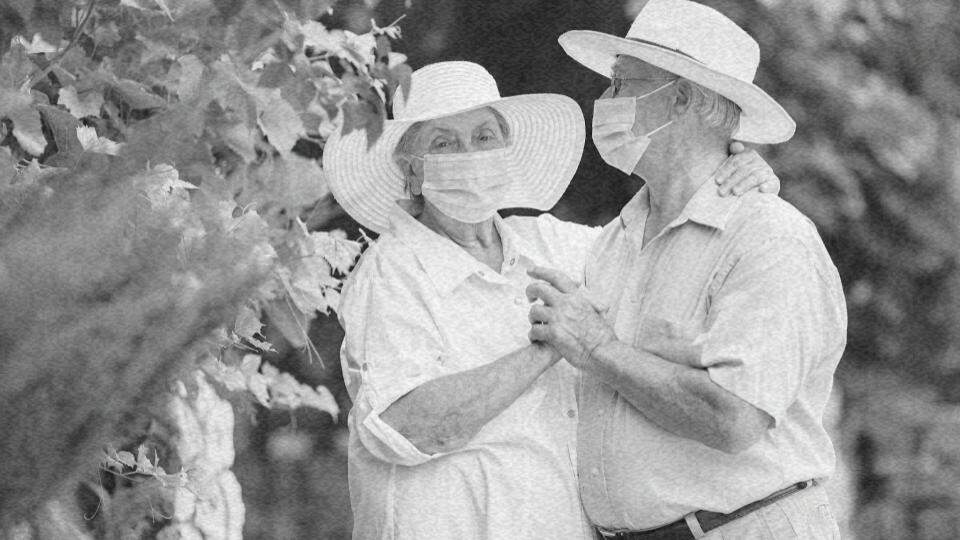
(546, 133)
(699, 44)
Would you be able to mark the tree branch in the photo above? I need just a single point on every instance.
(35, 77)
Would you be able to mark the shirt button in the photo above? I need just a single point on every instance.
(365, 366)
(595, 471)
(572, 413)
(513, 260)
(518, 300)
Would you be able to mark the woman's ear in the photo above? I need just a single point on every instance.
(412, 174)
(415, 184)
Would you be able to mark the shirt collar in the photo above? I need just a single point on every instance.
(447, 264)
(705, 207)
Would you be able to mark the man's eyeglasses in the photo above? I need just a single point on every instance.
(616, 83)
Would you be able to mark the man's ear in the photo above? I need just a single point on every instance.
(682, 99)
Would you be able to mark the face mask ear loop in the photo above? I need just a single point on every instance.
(657, 90)
(652, 133)
(647, 95)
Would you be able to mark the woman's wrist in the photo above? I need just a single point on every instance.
(545, 353)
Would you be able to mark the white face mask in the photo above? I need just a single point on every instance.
(468, 187)
(613, 135)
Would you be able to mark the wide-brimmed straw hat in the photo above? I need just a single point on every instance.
(546, 133)
(697, 43)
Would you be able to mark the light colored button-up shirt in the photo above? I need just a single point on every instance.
(744, 288)
(419, 307)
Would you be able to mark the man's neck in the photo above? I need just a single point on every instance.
(675, 179)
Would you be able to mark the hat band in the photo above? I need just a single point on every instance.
(655, 44)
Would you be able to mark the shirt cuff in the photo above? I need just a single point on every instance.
(763, 393)
(381, 439)
(389, 445)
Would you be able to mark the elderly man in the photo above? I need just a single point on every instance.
(709, 328)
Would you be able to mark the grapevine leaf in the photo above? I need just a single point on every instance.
(87, 104)
(290, 182)
(93, 143)
(148, 5)
(278, 120)
(8, 167)
(63, 127)
(18, 107)
(161, 185)
(248, 323)
(340, 252)
(126, 458)
(96, 144)
(136, 96)
(261, 344)
(106, 35)
(190, 76)
(15, 67)
(275, 75)
(291, 323)
(24, 8)
(170, 137)
(143, 462)
(37, 45)
(321, 398)
(165, 8)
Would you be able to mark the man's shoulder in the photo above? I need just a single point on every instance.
(764, 221)
(763, 216)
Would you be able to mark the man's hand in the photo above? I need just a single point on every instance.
(568, 320)
(745, 170)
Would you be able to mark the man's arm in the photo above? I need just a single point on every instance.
(679, 398)
(445, 413)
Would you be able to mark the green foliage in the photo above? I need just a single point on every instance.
(158, 189)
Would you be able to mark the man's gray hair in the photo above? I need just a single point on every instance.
(716, 110)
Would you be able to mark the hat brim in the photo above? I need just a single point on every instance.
(762, 119)
(547, 136)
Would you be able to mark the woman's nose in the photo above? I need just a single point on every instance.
(472, 146)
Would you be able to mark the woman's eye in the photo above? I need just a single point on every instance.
(487, 136)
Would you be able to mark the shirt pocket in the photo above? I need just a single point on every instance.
(678, 342)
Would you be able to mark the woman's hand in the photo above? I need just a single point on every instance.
(745, 170)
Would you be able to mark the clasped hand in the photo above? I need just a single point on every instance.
(568, 319)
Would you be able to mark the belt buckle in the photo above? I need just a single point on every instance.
(608, 534)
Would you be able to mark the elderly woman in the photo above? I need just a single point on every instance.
(461, 427)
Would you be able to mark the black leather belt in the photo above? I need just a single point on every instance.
(679, 530)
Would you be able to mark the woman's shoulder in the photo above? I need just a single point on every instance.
(550, 229)
(387, 263)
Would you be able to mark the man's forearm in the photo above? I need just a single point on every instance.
(445, 413)
(680, 399)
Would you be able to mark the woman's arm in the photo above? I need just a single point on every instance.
(445, 413)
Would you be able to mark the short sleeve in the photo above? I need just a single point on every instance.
(776, 316)
(391, 346)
